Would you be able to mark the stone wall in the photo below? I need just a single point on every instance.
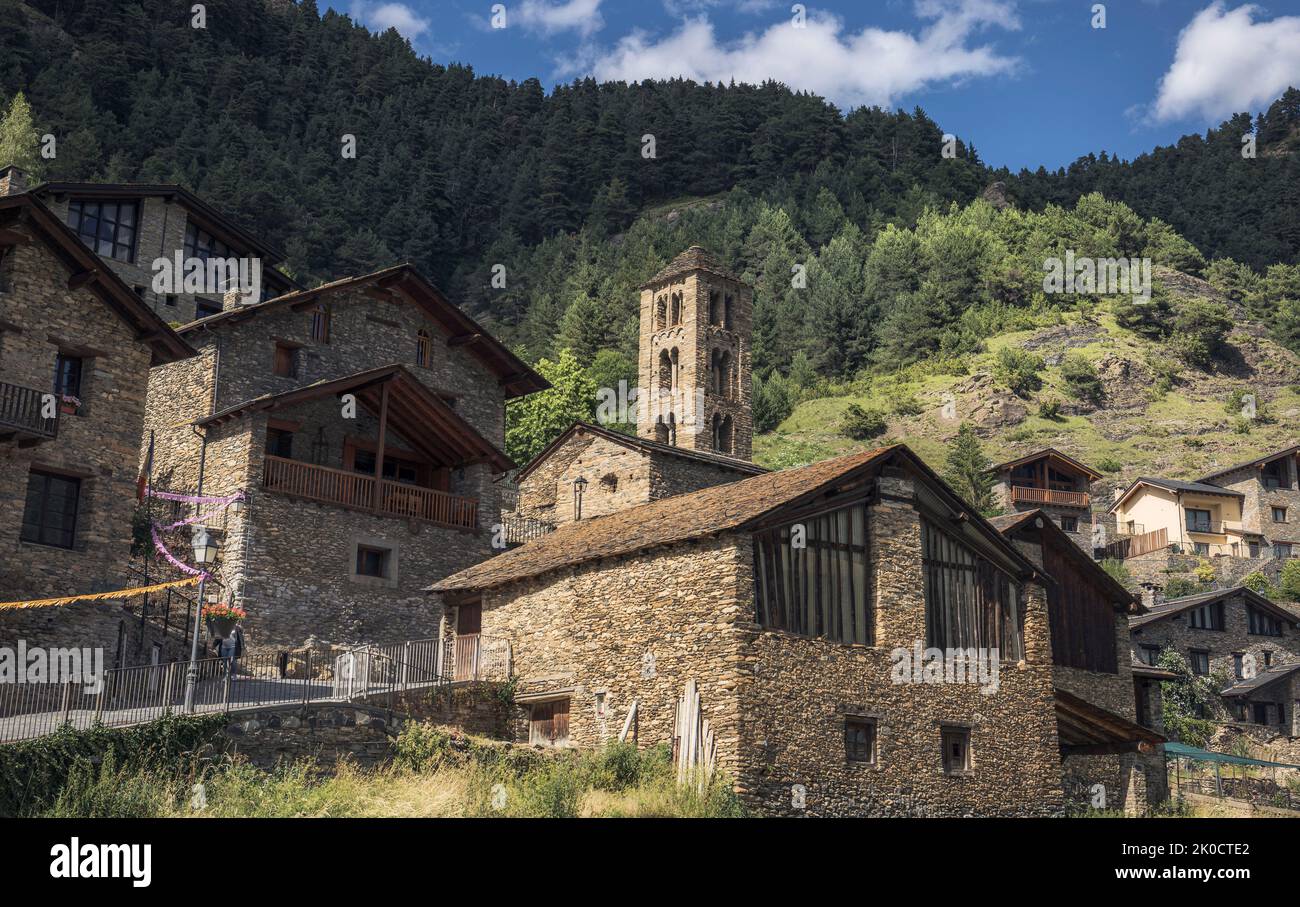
(99, 445)
(1257, 507)
(324, 734)
(605, 634)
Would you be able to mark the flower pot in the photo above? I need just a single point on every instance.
(68, 409)
(221, 627)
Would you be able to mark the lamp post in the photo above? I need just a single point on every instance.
(205, 552)
(579, 486)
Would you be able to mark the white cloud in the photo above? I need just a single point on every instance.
(582, 16)
(1227, 62)
(873, 66)
(383, 16)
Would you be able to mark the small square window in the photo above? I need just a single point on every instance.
(372, 561)
(279, 442)
(1279, 514)
(1070, 523)
(204, 309)
(286, 360)
(169, 300)
(860, 739)
(956, 750)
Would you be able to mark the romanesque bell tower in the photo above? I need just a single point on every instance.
(694, 369)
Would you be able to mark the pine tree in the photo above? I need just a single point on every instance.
(969, 471)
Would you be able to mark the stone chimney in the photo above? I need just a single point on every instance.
(1152, 594)
(12, 180)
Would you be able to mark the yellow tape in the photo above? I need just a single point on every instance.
(99, 596)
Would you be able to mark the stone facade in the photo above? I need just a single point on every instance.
(292, 563)
(163, 214)
(1222, 647)
(603, 634)
(97, 446)
(695, 358)
(619, 472)
(1261, 498)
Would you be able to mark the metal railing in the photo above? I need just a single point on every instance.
(21, 411)
(522, 529)
(144, 693)
(473, 656)
(1129, 527)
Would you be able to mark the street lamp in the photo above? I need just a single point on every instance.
(205, 552)
(579, 486)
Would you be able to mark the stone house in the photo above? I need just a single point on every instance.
(1088, 613)
(590, 471)
(130, 226)
(1246, 643)
(1052, 484)
(76, 346)
(802, 603)
(363, 420)
(1270, 503)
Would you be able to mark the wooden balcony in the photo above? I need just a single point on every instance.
(1021, 494)
(20, 415)
(362, 492)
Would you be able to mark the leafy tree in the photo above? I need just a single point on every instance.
(1081, 379)
(1289, 581)
(1186, 698)
(19, 141)
(773, 402)
(1257, 582)
(862, 424)
(536, 420)
(1199, 330)
(969, 470)
(1019, 370)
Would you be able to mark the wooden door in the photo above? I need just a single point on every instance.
(549, 723)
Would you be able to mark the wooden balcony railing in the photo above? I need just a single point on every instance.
(352, 489)
(1021, 494)
(20, 413)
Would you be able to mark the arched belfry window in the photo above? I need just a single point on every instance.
(727, 313)
(661, 431)
(677, 308)
(715, 309)
(724, 435)
(717, 431)
(661, 313)
(665, 371)
(720, 373)
(423, 349)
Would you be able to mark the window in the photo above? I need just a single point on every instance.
(1239, 665)
(969, 603)
(423, 349)
(1070, 523)
(609, 483)
(286, 360)
(726, 312)
(677, 308)
(1149, 654)
(279, 442)
(1279, 514)
(1198, 520)
(203, 308)
(1207, 617)
(1201, 548)
(372, 561)
(67, 375)
(320, 324)
(1199, 659)
(1253, 548)
(1282, 550)
(715, 309)
(661, 313)
(1267, 655)
(722, 433)
(1260, 712)
(548, 723)
(810, 577)
(860, 739)
(396, 469)
(1275, 475)
(50, 516)
(108, 228)
(1262, 624)
(202, 245)
(169, 300)
(956, 750)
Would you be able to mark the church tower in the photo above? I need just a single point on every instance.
(694, 367)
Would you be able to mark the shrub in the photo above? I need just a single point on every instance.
(1018, 370)
(1289, 584)
(1109, 464)
(1199, 330)
(421, 747)
(1117, 570)
(773, 402)
(1181, 586)
(1256, 582)
(861, 424)
(1081, 379)
(1049, 409)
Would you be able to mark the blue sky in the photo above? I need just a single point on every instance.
(1028, 82)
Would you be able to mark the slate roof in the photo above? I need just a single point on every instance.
(696, 258)
(1055, 535)
(1050, 452)
(1258, 461)
(1260, 680)
(653, 447)
(1175, 605)
(1174, 485)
